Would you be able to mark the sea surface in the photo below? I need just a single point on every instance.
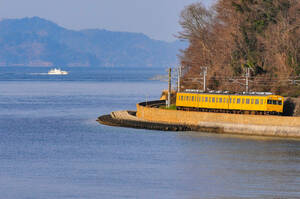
(51, 146)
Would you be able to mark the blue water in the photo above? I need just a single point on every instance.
(52, 147)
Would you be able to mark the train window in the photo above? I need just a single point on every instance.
(225, 100)
(261, 101)
(210, 99)
(279, 102)
(247, 101)
(269, 101)
(193, 98)
(217, 99)
(257, 101)
(230, 100)
(206, 99)
(243, 101)
(238, 101)
(252, 101)
(274, 102)
(220, 100)
(213, 100)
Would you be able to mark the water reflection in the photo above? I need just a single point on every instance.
(248, 167)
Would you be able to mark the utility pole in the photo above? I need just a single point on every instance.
(247, 79)
(169, 89)
(179, 77)
(204, 78)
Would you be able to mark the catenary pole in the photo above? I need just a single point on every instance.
(179, 76)
(169, 89)
(204, 78)
(247, 79)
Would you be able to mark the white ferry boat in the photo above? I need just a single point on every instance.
(56, 71)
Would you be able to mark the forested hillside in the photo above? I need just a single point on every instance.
(262, 35)
(38, 42)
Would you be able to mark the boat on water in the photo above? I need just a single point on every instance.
(56, 71)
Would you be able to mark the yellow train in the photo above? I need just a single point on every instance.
(254, 103)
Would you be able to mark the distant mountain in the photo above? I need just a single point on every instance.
(38, 42)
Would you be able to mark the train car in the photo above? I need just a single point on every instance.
(256, 103)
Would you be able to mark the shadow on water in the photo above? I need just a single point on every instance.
(199, 135)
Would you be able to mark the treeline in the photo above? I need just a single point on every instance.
(233, 35)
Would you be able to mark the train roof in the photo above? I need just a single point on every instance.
(227, 93)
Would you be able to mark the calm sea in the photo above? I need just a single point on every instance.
(51, 146)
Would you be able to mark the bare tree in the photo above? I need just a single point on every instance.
(235, 35)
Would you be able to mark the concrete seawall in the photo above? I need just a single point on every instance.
(222, 123)
(149, 116)
(128, 119)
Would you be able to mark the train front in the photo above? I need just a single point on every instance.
(275, 103)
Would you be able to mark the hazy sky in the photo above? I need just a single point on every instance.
(156, 18)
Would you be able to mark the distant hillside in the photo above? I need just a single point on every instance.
(38, 42)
